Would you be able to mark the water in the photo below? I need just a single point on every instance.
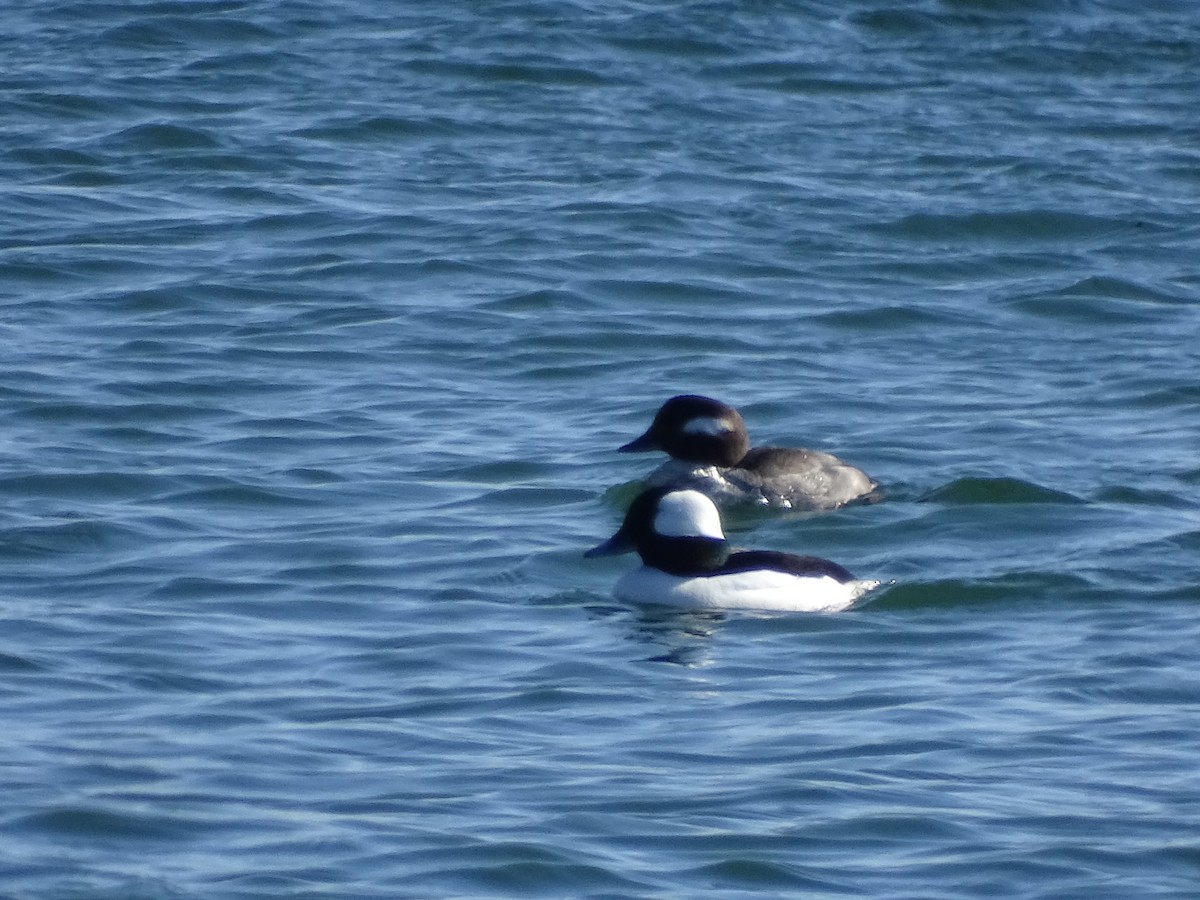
(321, 323)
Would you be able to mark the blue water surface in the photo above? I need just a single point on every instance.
(321, 323)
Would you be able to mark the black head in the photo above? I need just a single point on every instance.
(696, 429)
(680, 534)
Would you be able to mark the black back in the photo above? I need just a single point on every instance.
(804, 566)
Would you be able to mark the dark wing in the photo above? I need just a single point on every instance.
(803, 566)
(772, 462)
(807, 479)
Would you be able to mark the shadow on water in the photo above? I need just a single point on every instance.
(980, 490)
(972, 489)
(742, 517)
(963, 592)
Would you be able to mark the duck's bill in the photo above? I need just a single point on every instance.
(614, 546)
(640, 444)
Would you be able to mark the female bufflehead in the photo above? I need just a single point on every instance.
(710, 451)
(686, 562)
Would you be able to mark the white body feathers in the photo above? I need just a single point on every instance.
(760, 589)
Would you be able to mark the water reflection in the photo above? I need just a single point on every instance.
(678, 637)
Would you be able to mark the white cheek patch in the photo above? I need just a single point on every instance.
(707, 426)
(688, 514)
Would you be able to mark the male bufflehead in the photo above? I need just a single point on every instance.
(710, 451)
(686, 562)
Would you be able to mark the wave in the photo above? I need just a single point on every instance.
(1030, 226)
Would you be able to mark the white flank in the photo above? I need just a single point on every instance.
(762, 590)
(688, 514)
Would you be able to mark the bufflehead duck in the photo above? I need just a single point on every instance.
(686, 562)
(711, 452)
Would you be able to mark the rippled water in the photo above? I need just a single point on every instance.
(322, 322)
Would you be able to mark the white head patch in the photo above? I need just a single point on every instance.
(706, 425)
(688, 514)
